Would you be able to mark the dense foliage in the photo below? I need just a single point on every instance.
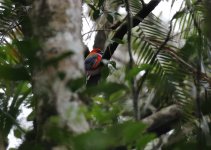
(168, 66)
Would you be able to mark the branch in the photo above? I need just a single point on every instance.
(96, 30)
(123, 28)
(161, 122)
(129, 26)
(131, 61)
(100, 40)
(164, 120)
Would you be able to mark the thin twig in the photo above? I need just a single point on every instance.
(117, 24)
(96, 31)
(129, 25)
(131, 61)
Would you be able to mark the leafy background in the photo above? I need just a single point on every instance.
(171, 67)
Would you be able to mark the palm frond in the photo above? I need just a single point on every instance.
(167, 79)
(135, 6)
(13, 93)
(13, 97)
(10, 21)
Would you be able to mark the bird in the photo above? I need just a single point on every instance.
(93, 61)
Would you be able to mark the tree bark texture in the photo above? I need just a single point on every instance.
(164, 120)
(2, 142)
(57, 26)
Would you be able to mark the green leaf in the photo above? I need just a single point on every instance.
(119, 41)
(128, 133)
(93, 140)
(61, 75)
(1, 95)
(113, 63)
(146, 138)
(27, 47)
(110, 18)
(99, 99)
(31, 116)
(100, 3)
(178, 15)
(2, 55)
(131, 131)
(101, 115)
(88, 1)
(92, 7)
(12, 119)
(76, 84)
(134, 71)
(104, 72)
(117, 96)
(96, 14)
(14, 73)
(106, 88)
(17, 133)
(189, 51)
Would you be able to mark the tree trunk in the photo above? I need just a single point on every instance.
(57, 26)
(2, 142)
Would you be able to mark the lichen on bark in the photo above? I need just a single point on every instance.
(57, 25)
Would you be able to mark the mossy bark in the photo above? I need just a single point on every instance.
(57, 26)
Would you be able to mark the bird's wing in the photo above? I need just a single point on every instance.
(92, 61)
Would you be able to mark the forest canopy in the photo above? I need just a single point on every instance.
(146, 85)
